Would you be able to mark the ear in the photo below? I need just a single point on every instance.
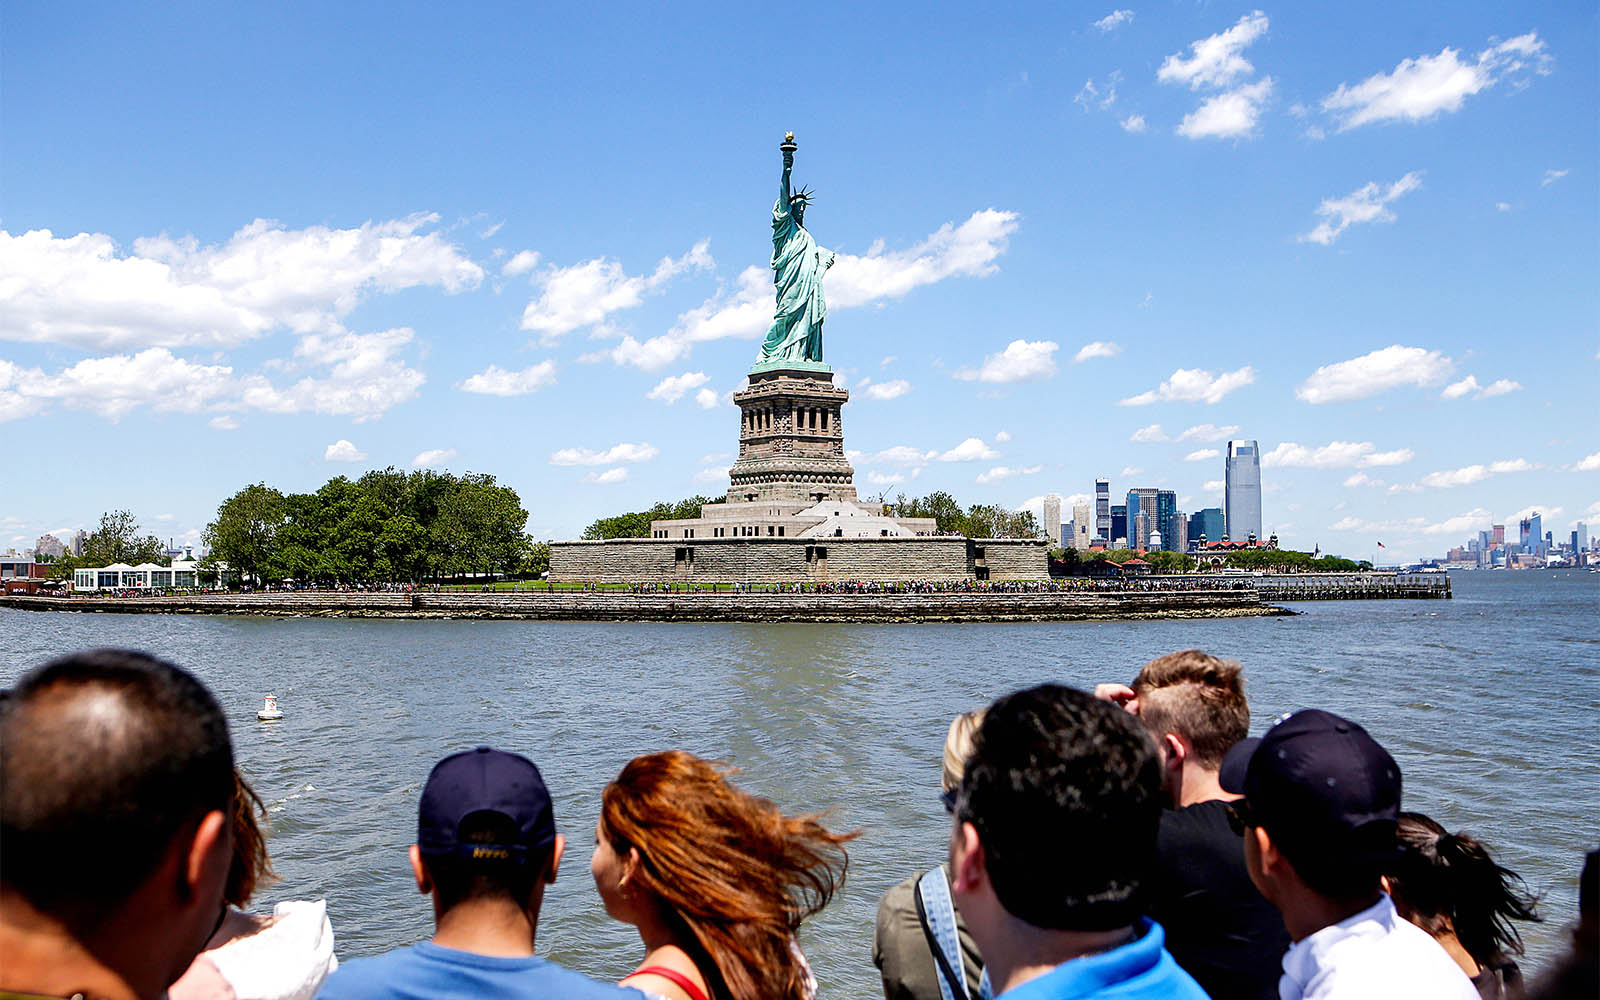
(1176, 750)
(1272, 860)
(1383, 883)
(967, 867)
(209, 856)
(420, 871)
(556, 850)
(630, 866)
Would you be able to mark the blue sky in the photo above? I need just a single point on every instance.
(285, 243)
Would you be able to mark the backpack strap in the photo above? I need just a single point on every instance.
(937, 912)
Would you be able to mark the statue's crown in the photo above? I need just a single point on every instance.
(801, 197)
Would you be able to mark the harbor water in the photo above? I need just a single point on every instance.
(1490, 703)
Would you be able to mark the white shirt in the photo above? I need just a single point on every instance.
(1375, 955)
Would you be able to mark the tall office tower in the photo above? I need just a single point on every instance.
(1180, 524)
(1167, 518)
(1583, 537)
(1052, 516)
(1207, 522)
(1141, 501)
(1241, 498)
(1524, 530)
(1119, 527)
(1499, 536)
(1574, 542)
(1102, 509)
(80, 538)
(1082, 526)
(1064, 535)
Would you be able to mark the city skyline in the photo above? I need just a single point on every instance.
(1072, 244)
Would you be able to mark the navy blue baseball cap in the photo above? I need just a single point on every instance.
(1322, 787)
(479, 781)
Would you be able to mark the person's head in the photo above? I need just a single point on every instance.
(116, 798)
(798, 203)
(1321, 801)
(251, 866)
(728, 872)
(1194, 706)
(957, 748)
(1446, 883)
(1056, 818)
(486, 833)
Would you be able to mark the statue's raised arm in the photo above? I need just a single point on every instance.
(798, 265)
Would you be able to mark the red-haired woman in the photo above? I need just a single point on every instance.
(716, 880)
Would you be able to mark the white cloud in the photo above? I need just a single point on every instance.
(672, 388)
(1499, 387)
(80, 291)
(343, 451)
(1334, 455)
(1424, 86)
(1545, 510)
(707, 399)
(970, 450)
(1114, 20)
(712, 474)
(364, 379)
(607, 477)
(1021, 361)
(433, 458)
(1368, 203)
(1503, 206)
(1208, 432)
(1551, 176)
(497, 381)
(1193, 385)
(892, 389)
(1231, 114)
(1201, 454)
(1131, 470)
(1215, 61)
(902, 455)
(521, 263)
(745, 310)
(1456, 390)
(625, 452)
(887, 480)
(1361, 479)
(1096, 349)
(1150, 434)
(585, 294)
(1469, 385)
(1590, 464)
(1370, 374)
(225, 423)
(1133, 123)
(1001, 472)
(1460, 524)
(1213, 486)
(1470, 474)
(114, 386)
(1001, 437)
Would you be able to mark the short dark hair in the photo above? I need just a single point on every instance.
(1198, 696)
(105, 757)
(1065, 792)
(458, 879)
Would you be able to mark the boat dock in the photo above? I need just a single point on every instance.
(1377, 585)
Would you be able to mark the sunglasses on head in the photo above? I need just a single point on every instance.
(1240, 816)
(948, 797)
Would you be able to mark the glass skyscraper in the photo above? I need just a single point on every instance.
(1206, 522)
(1241, 498)
(1102, 509)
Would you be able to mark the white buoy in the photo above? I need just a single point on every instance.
(269, 710)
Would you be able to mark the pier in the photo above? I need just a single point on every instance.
(1372, 586)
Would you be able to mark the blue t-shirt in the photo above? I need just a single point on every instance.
(425, 971)
(1139, 970)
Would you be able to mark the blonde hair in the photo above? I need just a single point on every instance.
(958, 747)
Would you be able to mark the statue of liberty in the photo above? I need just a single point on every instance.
(798, 265)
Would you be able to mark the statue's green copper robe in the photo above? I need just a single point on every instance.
(798, 265)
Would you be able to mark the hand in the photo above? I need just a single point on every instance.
(788, 157)
(1118, 694)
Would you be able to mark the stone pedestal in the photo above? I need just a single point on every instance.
(791, 441)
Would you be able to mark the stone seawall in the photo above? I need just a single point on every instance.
(691, 607)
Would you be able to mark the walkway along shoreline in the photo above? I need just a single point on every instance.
(621, 606)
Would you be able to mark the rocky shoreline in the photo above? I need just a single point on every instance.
(620, 606)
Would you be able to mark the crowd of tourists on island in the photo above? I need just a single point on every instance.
(1129, 842)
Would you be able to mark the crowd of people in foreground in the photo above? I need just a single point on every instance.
(1126, 843)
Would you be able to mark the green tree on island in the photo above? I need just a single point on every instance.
(117, 541)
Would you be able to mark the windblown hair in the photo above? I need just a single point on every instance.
(251, 867)
(1446, 881)
(958, 747)
(732, 870)
(1197, 696)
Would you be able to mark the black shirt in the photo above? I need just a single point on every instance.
(1219, 928)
